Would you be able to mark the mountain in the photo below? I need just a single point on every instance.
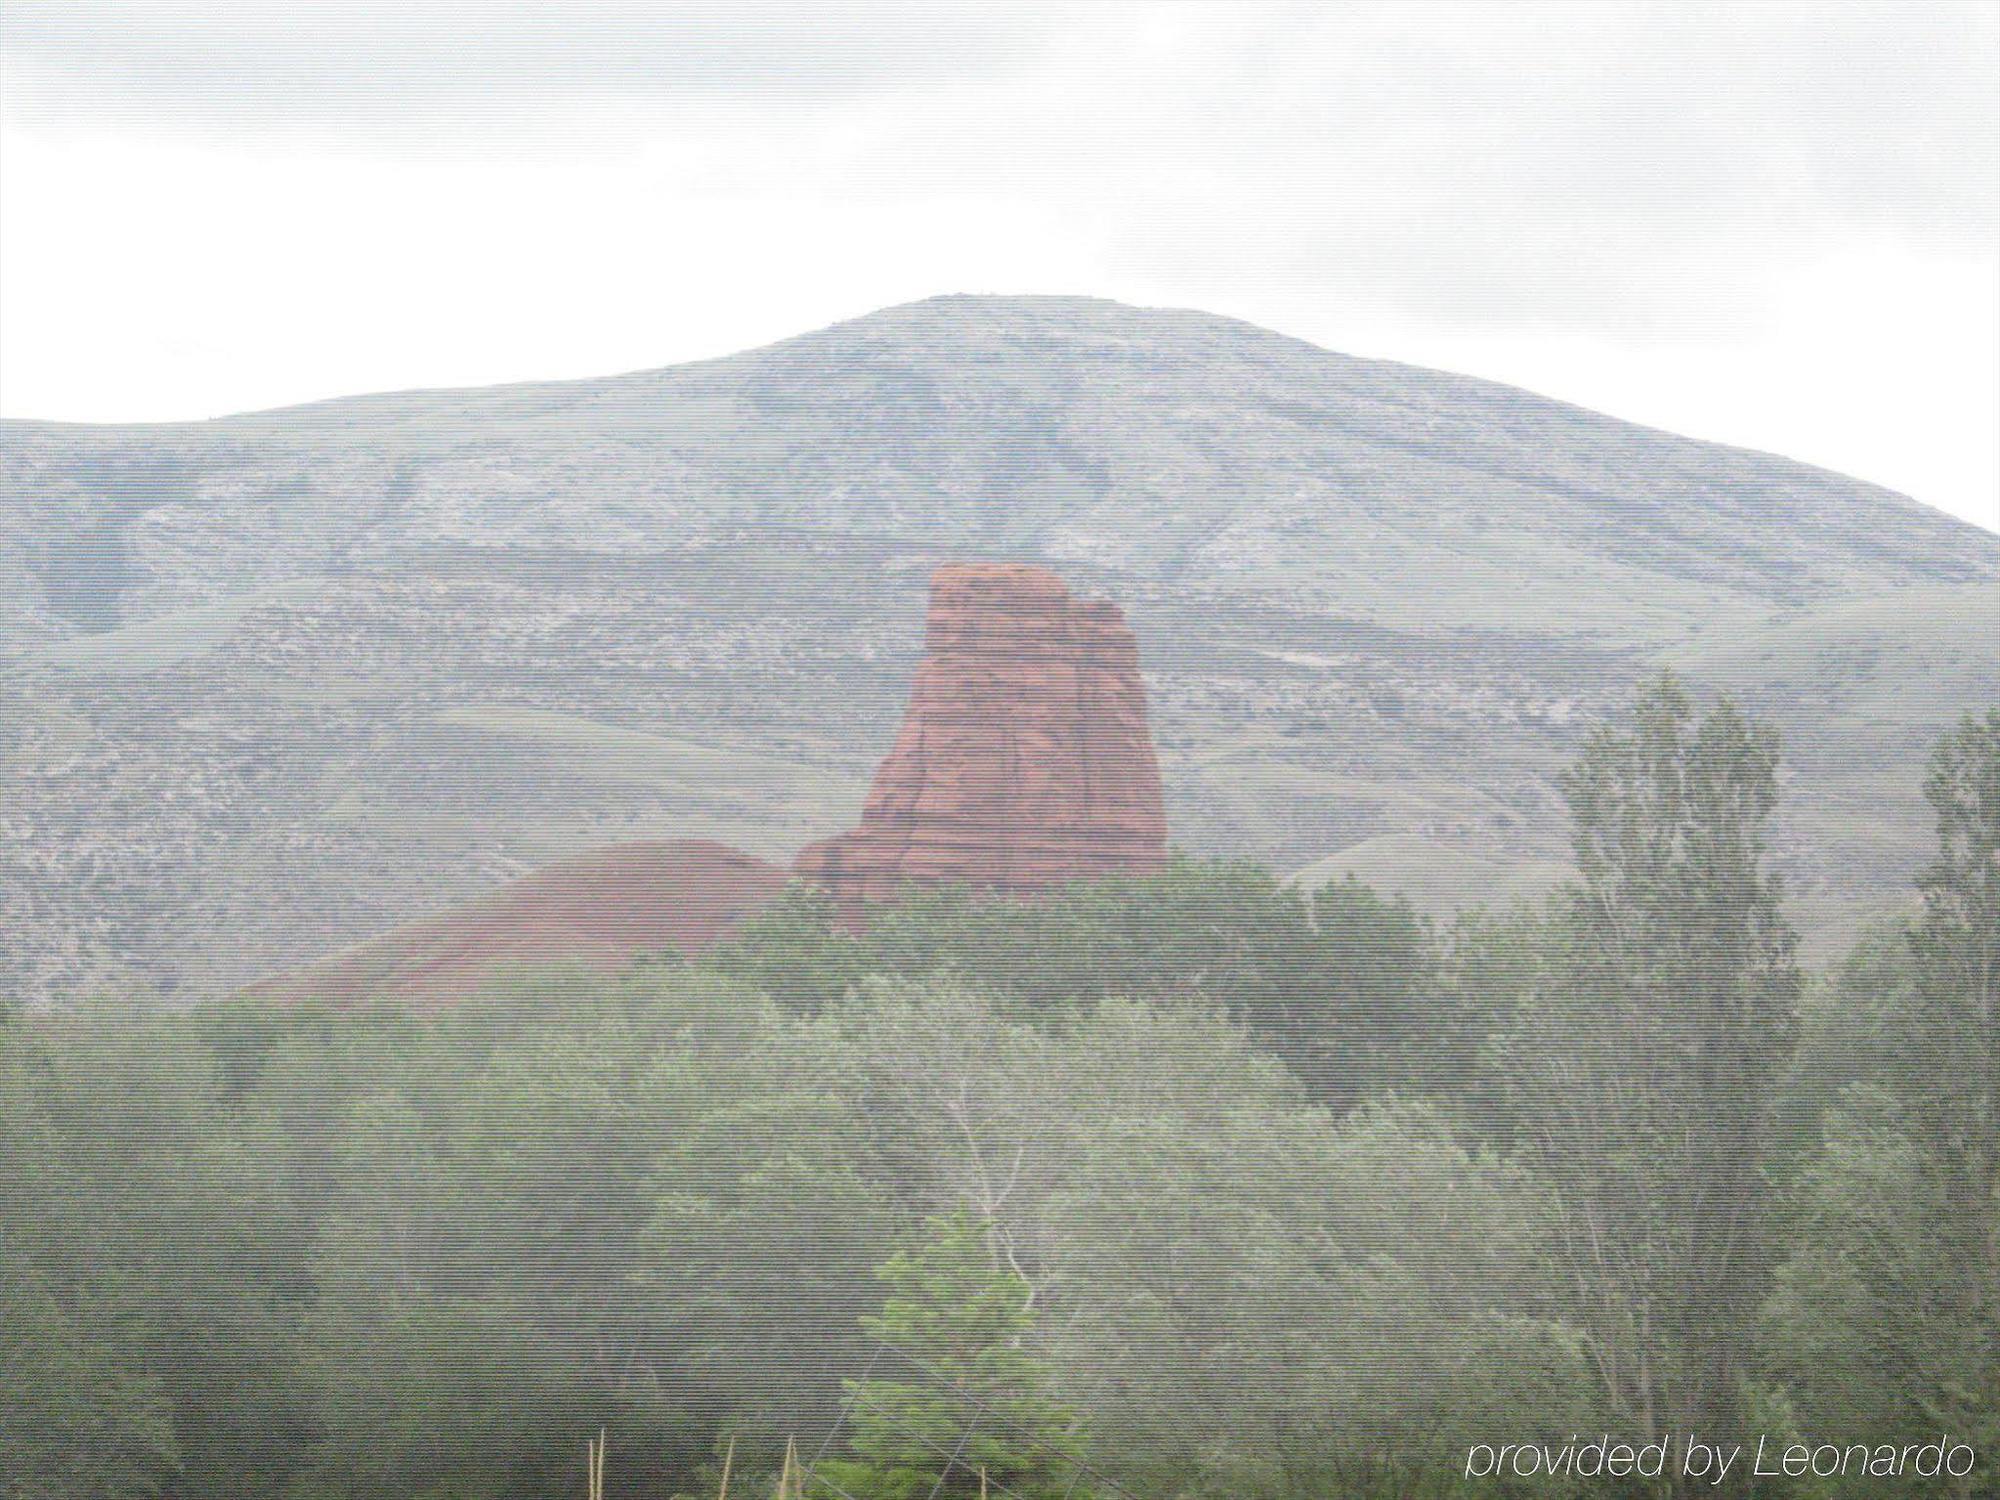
(1164, 445)
(277, 682)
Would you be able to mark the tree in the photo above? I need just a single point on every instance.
(1262, 1305)
(1888, 1310)
(1643, 1069)
(423, 1377)
(74, 1424)
(1343, 985)
(795, 951)
(1384, 1023)
(479, 1305)
(757, 1268)
(1857, 1025)
(961, 1395)
(154, 1219)
(1868, 1328)
(1957, 947)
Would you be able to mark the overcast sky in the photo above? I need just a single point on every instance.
(1758, 222)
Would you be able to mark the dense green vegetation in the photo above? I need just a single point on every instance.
(1229, 1190)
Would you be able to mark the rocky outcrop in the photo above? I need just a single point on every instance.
(1024, 760)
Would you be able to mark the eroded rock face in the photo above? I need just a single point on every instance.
(1024, 760)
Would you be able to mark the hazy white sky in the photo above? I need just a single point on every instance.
(1764, 223)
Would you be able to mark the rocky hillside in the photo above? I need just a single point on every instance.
(277, 682)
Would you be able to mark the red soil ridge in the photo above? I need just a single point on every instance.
(600, 910)
(1023, 763)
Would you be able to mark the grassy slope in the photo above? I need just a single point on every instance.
(165, 641)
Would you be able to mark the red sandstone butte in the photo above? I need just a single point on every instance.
(1024, 760)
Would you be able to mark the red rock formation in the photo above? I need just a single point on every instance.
(602, 910)
(1023, 763)
(1024, 759)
